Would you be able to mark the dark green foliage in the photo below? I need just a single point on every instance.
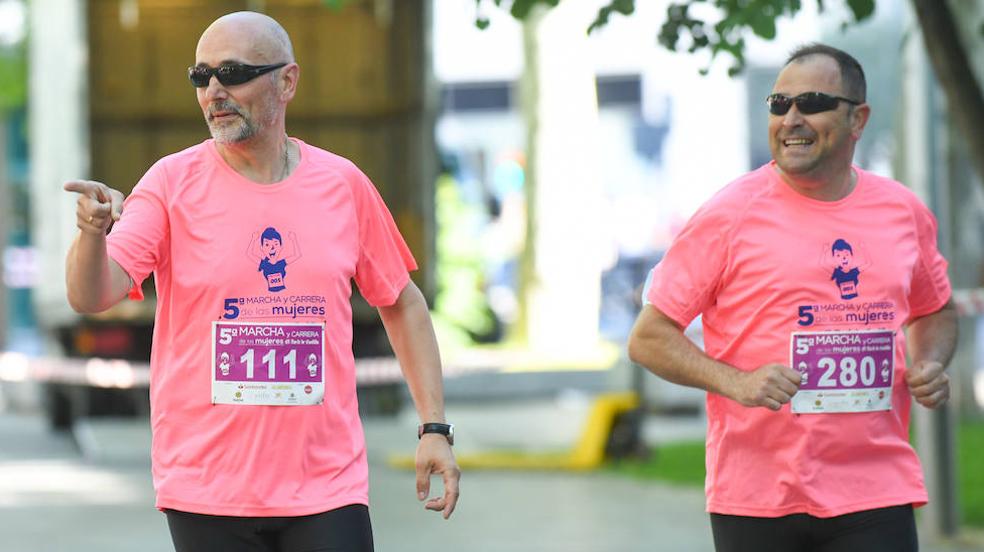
(519, 9)
(624, 7)
(681, 29)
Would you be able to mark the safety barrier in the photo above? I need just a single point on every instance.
(123, 374)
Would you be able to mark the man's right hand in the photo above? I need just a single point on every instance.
(98, 205)
(771, 386)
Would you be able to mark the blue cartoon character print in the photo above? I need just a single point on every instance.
(267, 249)
(847, 267)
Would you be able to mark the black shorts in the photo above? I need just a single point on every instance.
(891, 529)
(345, 529)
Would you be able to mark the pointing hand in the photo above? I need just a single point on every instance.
(98, 207)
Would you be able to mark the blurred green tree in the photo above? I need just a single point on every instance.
(13, 78)
(948, 51)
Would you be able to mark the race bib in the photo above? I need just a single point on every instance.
(268, 363)
(850, 371)
(275, 281)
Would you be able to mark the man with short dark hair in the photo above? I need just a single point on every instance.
(815, 458)
(257, 442)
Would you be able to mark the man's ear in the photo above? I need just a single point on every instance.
(859, 118)
(289, 76)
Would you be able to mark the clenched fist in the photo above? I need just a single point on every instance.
(771, 386)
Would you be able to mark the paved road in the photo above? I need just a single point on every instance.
(52, 498)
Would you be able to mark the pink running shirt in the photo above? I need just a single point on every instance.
(757, 261)
(197, 225)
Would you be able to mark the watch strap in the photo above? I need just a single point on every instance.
(433, 427)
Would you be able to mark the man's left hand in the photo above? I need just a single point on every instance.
(434, 456)
(928, 383)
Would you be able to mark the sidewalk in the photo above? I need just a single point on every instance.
(52, 498)
(543, 511)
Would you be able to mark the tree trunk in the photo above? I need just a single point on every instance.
(529, 100)
(565, 240)
(951, 65)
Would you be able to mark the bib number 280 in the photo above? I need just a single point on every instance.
(843, 371)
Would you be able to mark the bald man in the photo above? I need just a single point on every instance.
(257, 442)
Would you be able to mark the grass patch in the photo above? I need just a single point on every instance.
(677, 463)
(683, 463)
(970, 472)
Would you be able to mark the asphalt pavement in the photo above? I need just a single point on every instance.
(91, 491)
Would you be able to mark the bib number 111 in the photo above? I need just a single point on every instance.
(270, 359)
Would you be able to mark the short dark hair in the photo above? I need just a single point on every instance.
(271, 234)
(841, 245)
(852, 75)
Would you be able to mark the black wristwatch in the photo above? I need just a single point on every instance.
(446, 430)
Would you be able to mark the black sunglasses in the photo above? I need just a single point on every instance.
(230, 74)
(807, 103)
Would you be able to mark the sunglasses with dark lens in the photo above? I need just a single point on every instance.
(807, 103)
(230, 74)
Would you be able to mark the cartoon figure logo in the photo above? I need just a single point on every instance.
(267, 249)
(312, 365)
(224, 363)
(885, 372)
(803, 369)
(847, 267)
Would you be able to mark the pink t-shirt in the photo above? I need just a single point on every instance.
(757, 261)
(203, 230)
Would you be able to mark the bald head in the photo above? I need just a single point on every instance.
(246, 109)
(259, 38)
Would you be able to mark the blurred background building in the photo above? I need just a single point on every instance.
(537, 172)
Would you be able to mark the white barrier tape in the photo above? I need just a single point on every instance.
(122, 374)
(969, 302)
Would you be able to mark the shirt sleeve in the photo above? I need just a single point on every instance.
(139, 239)
(684, 283)
(930, 288)
(384, 263)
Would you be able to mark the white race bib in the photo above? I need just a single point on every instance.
(268, 363)
(848, 371)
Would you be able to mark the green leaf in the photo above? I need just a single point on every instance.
(482, 23)
(862, 9)
(522, 8)
(336, 5)
(762, 24)
(624, 7)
